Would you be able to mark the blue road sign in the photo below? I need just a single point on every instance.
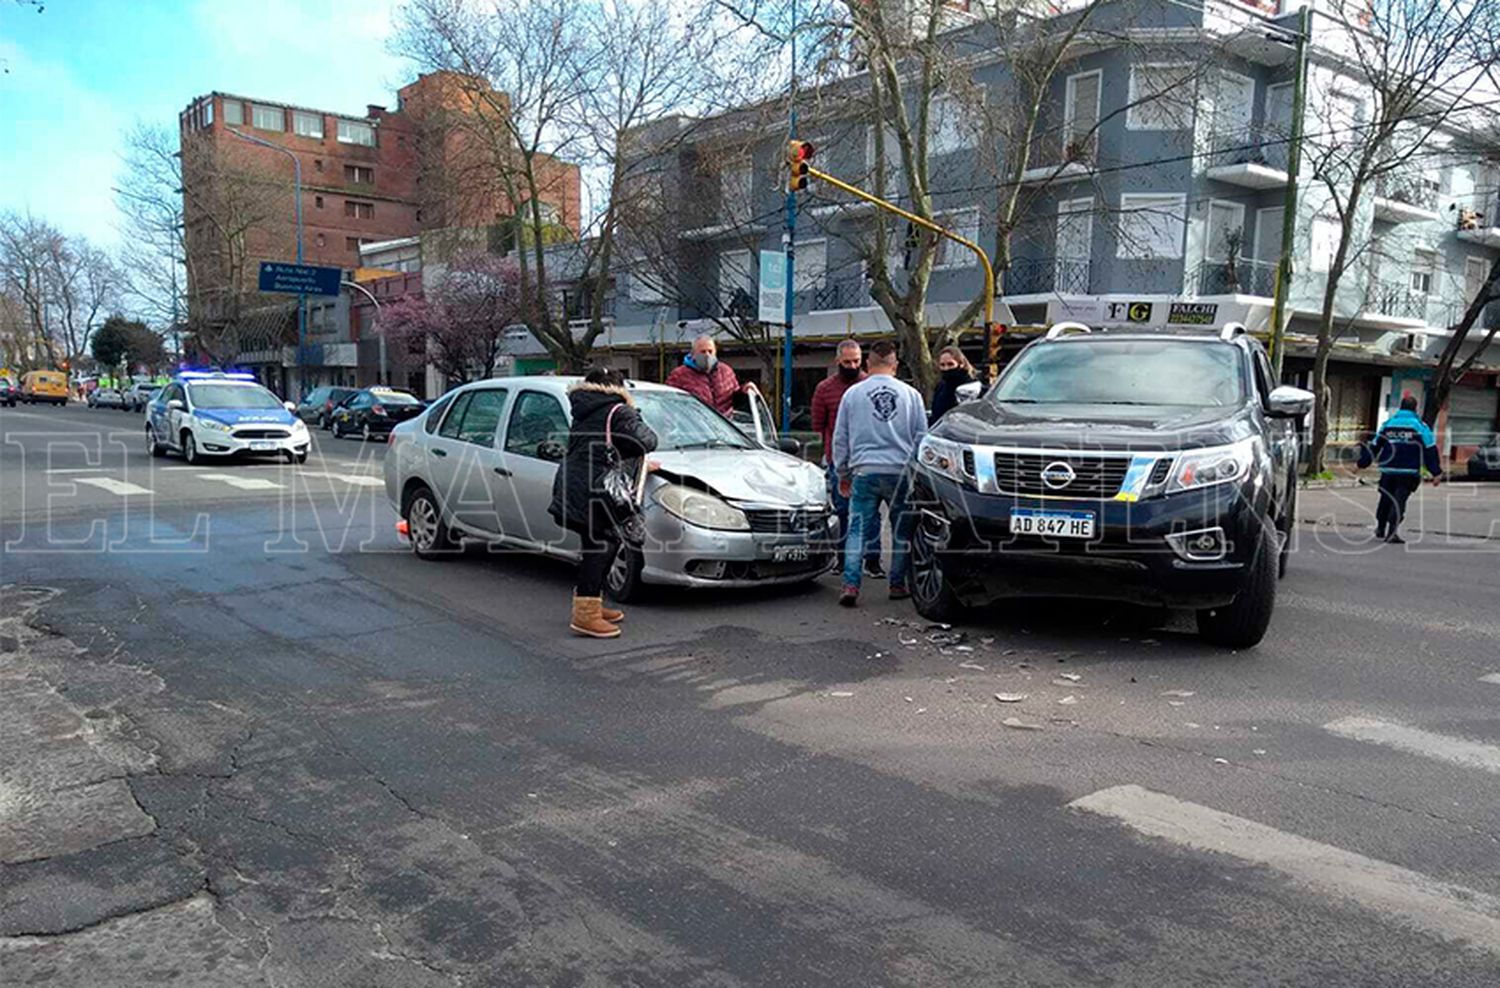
(300, 279)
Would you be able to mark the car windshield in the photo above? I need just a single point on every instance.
(1125, 372)
(394, 398)
(232, 396)
(681, 421)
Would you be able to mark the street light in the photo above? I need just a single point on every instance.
(301, 297)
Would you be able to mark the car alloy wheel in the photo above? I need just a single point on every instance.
(189, 448)
(931, 593)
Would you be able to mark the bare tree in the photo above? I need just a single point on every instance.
(461, 320)
(62, 286)
(153, 255)
(1415, 66)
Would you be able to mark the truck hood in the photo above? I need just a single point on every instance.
(1140, 428)
(758, 476)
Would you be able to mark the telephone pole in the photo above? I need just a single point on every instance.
(1289, 204)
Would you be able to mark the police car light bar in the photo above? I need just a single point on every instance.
(189, 375)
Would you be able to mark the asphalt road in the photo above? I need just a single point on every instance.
(246, 739)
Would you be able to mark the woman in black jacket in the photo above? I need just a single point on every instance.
(601, 406)
(955, 371)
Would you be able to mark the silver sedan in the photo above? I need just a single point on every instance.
(726, 508)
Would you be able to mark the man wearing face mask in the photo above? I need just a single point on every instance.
(848, 371)
(704, 377)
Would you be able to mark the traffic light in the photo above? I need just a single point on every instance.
(798, 154)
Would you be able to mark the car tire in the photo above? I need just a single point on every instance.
(153, 447)
(430, 536)
(623, 581)
(190, 449)
(1243, 623)
(1288, 526)
(931, 589)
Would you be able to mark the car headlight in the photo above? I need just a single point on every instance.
(698, 508)
(944, 457)
(299, 428)
(213, 426)
(1212, 465)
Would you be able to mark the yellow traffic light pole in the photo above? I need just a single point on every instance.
(991, 330)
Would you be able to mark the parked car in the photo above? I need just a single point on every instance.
(44, 386)
(317, 407)
(106, 398)
(725, 509)
(10, 391)
(374, 412)
(1152, 468)
(213, 414)
(1485, 463)
(139, 395)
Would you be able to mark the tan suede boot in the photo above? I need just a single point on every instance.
(611, 615)
(588, 621)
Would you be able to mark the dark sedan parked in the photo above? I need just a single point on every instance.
(374, 412)
(1485, 463)
(9, 392)
(318, 407)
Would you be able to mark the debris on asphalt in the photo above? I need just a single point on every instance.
(986, 641)
(1067, 700)
(1009, 651)
(1181, 693)
(1176, 703)
(963, 648)
(946, 638)
(1192, 724)
(1257, 751)
(939, 626)
(1221, 761)
(906, 698)
(908, 642)
(921, 710)
(1062, 720)
(1059, 681)
(971, 665)
(1010, 697)
(1017, 724)
(841, 693)
(1071, 677)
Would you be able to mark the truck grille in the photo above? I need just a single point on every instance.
(785, 521)
(261, 434)
(1094, 476)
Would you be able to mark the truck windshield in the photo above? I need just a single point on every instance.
(1125, 372)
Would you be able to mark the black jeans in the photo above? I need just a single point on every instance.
(598, 556)
(1395, 488)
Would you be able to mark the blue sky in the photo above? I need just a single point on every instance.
(83, 72)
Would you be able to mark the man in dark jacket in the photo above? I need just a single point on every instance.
(1402, 448)
(848, 371)
(704, 377)
(606, 428)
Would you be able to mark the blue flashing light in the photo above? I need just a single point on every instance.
(198, 375)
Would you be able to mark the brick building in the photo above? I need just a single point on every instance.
(377, 176)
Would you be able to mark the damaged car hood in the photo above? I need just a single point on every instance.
(747, 475)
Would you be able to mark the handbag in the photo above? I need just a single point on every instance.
(621, 500)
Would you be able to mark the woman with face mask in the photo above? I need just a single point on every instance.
(955, 371)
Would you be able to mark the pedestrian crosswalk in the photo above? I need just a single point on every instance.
(121, 487)
(1442, 747)
(126, 485)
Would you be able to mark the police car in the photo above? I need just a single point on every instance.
(212, 414)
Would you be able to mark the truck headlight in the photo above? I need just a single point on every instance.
(1212, 465)
(212, 426)
(698, 508)
(944, 457)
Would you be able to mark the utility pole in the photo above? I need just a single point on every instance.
(1289, 204)
(789, 242)
(301, 296)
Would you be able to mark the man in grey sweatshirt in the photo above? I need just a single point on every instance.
(880, 422)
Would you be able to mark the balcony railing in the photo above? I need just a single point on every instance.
(1260, 144)
(1408, 188)
(1397, 302)
(845, 293)
(1062, 275)
(1243, 277)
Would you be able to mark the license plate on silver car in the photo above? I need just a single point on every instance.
(789, 554)
(1054, 524)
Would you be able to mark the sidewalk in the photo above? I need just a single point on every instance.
(1458, 511)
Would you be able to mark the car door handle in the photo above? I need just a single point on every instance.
(503, 472)
(438, 452)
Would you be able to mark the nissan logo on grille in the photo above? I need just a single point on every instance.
(1058, 474)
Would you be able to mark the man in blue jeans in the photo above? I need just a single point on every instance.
(849, 371)
(880, 422)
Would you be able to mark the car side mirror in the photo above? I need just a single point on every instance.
(551, 450)
(176, 404)
(1287, 402)
(789, 445)
(970, 391)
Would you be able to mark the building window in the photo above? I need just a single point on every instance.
(812, 266)
(1160, 97)
(352, 243)
(1226, 228)
(1081, 115)
(356, 132)
(359, 210)
(1152, 226)
(1423, 271)
(359, 174)
(307, 124)
(1325, 243)
(267, 117)
(208, 113)
(950, 127)
(735, 185)
(234, 112)
(965, 223)
(317, 202)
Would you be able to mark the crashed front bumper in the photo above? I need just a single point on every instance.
(680, 554)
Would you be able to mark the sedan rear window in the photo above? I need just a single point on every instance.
(1125, 372)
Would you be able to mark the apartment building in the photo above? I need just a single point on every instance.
(1159, 186)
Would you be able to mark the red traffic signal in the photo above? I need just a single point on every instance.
(798, 154)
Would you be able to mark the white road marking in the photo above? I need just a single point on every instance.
(120, 487)
(1449, 911)
(1458, 751)
(1493, 677)
(243, 483)
(76, 469)
(359, 480)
